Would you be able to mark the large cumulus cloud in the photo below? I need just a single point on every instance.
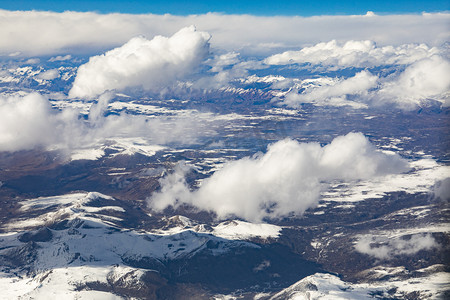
(151, 64)
(285, 180)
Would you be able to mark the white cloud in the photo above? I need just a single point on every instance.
(334, 92)
(388, 248)
(60, 58)
(32, 61)
(48, 33)
(174, 189)
(407, 88)
(423, 77)
(30, 121)
(423, 80)
(225, 68)
(151, 64)
(442, 189)
(49, 74)
(285, 180)
(224, 60)
(354, 54)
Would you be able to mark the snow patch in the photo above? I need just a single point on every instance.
(240, 230)
(425, 173)
(88, 154)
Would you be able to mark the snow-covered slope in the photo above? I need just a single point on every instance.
(327, 286)
(64, 244)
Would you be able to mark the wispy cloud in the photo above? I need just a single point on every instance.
(335, 92)
(30, 122)
(388, 248)
(442, 190)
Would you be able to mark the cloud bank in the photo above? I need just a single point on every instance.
(407, 53)
(352, 53)
(151, 64)
(31, 33)
(285, 180)
(421, 81)
(388, 248)
(411, 74)
(30, 122)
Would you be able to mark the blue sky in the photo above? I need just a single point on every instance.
(260, 7)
